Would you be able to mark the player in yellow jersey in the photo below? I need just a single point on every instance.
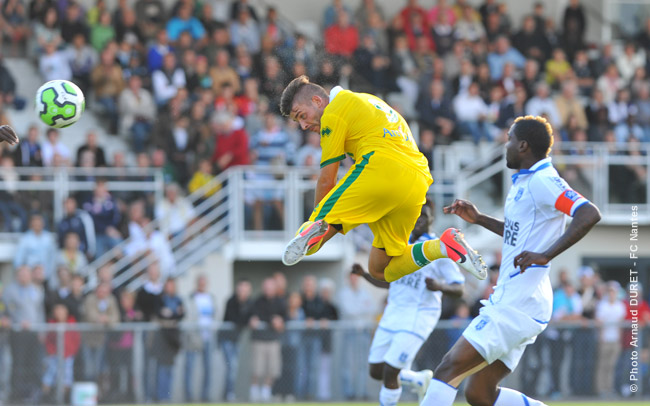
(385, 188)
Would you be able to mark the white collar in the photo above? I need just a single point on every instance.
(335, 90)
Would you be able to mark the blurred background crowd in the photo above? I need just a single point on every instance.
(194, 89)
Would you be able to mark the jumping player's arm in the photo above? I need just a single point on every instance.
(584, 218)
(468, 212)
(358, 270)
(8, 135)
(326, 180)
(451, 289)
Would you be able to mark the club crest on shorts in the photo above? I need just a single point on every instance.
(481, 324)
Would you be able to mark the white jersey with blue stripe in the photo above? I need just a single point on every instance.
(411, 306)
(535, 218)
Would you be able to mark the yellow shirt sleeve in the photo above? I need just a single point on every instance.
(333, 131)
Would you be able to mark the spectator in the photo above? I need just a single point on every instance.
(583, 72)
(503, 54)
(610, 312)
(158, 50)
(471, 112)
(59, 288)
(238, 311)
(584, 347)
(238, 5)
(94, 148)
(137, 112)
(107, 82)
(100, 308)
(629, 61)
(223, 73)
(373, 65)
(73, 23)
(597, 116)
(102, 32)
(151, 17)
(174, 213)
(46, 31)
(53, 64)
(436, 111)
(567, 306)
(232, 143)
(167, 341)
(311, 340)
(342, 38)
(201, 311)
(418, 32)
(444, 33)
(265, 341)
(13, 215)
(531, 42)
(167, 80)
(468, 27)
(185, 22)
(574, 24)
(71, 343)
(78, 222)
(155, 243)
(53, 148)
(25, 304)
(358, 309)
(202, 177)
(120, 351)
(609, 83)
(543, 105)
(106, 218)
(558, 69)
(332, 11)
(637, 311)
(244, 30)
(642, 107)
(71, 255)
(29, 151)
(568, 105)
(36, 247)
(127, 29)
(330, 313)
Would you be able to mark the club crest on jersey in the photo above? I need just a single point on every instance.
(325, 132)
(520, 193)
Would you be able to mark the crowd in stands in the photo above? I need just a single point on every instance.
(195, 90)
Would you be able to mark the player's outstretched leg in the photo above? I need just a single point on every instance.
(308, 240)
(451, 245)
(510, 397)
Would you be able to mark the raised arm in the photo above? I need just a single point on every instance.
(358, 270)
(585, 217)
(468, 212)
(451, 289)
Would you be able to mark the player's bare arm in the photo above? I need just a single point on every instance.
(358, 270)
(584, 219)
(326, 181)
(8, 135)
(468, 212)
(453, 289)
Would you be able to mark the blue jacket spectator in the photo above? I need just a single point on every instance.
(36, 247)
(185, 22)
(158, 50)
(78, 222)
(504, 54)
(106, 218)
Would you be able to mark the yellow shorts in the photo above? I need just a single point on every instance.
(382, 193)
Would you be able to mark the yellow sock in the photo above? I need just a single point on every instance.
(415, 256)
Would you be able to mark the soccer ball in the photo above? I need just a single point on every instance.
(59, 103)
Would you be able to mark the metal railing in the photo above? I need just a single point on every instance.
(565, 352)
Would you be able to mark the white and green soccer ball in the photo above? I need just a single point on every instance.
(59, 103)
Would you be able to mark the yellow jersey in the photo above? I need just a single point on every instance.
(355, 124)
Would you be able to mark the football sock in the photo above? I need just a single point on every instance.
(509, 397)
(415, 256)
(439, 394)
(408, 377)
(389, 397)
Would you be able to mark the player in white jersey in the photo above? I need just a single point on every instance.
(520, 307)
(413, 310)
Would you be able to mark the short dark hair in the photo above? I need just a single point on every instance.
(537, 132)
(298, 87)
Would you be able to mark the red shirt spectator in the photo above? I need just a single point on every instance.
(416, 26)
(232, 143)
(71, 340)
(341, 38)
(412, 7)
